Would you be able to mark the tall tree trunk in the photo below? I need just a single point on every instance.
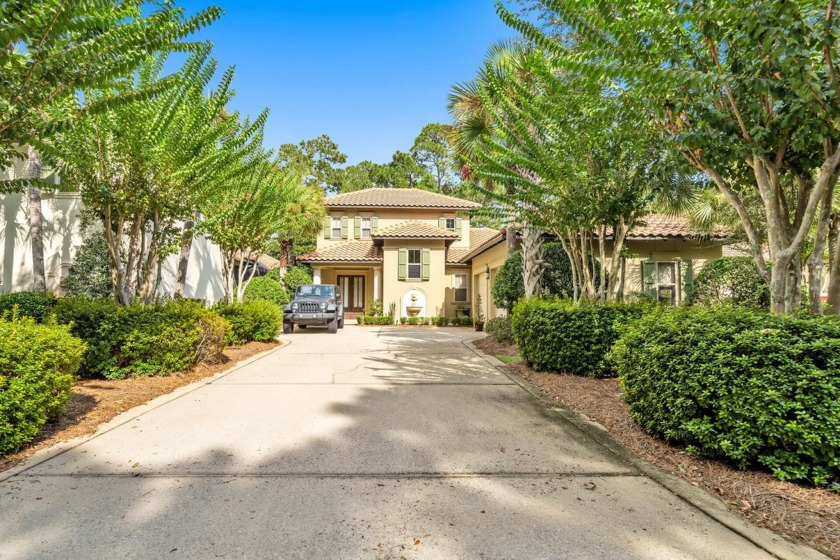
(532, 262)
(817, 259)
(36, 223)
(184, 257)
(833, 300)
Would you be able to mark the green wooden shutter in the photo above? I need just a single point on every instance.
(649, 277)
(402, 264)
(374, 223)
(427, 265)
(459, 224)
(327, 227)
(357, 227)
(345, 227)
(686, 278)
(442, 223)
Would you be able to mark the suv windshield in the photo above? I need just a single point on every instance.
(315, 291)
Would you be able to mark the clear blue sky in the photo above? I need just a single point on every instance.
(368, 73)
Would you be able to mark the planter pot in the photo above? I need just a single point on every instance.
(479, 326)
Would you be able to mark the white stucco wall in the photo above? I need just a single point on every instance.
(63, 236)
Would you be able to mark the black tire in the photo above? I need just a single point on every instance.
(333, 326)
(341, 323)
(288, 327)
(301, 326)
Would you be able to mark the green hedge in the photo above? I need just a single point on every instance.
(266, 288)
(558, 335)
(29, 304)
(377, 320)
(747, 386)
(37, 364)
(256, 320)
(155, 339)
(500, 329)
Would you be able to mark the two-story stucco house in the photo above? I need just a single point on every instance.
(417, 251)
(406, 247)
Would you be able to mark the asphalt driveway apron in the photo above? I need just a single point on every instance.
(372, 443)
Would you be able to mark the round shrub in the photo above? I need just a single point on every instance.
(36, 305)
(266, 288)
(753, 388)
(37, 364)
(559, 335)
(257, 320)
(509, 287)
(499, 328)
(731, 281)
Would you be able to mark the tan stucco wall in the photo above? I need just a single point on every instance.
(698, 252)
(392, 217)
(434, 289)
(493, 258)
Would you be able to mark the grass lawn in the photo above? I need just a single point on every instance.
(509, 359)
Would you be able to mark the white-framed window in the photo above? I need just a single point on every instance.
(365, 233)
(336, 228)
(450, 224)
(415, 264)
(459, 283)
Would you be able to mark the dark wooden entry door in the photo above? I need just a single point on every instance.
(352, 292)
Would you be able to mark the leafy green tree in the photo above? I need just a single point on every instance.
(316, 160)
(745, 91)
(90, 271)
(432, 153)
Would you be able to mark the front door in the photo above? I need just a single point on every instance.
(352, 292)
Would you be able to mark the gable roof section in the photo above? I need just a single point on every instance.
(414, 230)
(660, 226)
(398, 198)
(481, 239)
(348, 252)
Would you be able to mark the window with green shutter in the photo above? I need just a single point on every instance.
(427, 264)
(357, 227)
(374, 223)
(442, 222)
(327, 226)
(345, 227)
(402, 264)
(649, 277)
(459, 226)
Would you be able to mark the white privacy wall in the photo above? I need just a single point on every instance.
(63, 236)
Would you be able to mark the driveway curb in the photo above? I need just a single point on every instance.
(127, 416)
(765, 539)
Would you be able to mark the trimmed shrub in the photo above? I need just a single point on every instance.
(36, 305)
(753, 388)
(295, 276)
(731, 281)
(266, 288)
(440, 321)
(257, 320)
(138, 340)
(500, 329)
(509, 287)
(37, 364)
(382, 320)
(559, 335)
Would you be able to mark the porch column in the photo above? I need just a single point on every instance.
(316, 275)
(377, 282)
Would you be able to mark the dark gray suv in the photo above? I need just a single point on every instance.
(314, 304)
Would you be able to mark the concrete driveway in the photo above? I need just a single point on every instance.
(373, 443)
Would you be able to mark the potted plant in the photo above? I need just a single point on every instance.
(479, 314)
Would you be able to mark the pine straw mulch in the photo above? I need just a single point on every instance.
(806, 515)
(96, 401)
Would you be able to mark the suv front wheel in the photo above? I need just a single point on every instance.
(333, 326)
(288, 327)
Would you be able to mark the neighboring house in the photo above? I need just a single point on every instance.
(416, 250)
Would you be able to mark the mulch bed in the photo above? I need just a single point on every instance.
(96, 401)
(806, 515)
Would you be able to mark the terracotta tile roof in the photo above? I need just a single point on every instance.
(398, 198)
(481, 239)
(658, 226)
(263, 260)
(414, 230)
(350, 251)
